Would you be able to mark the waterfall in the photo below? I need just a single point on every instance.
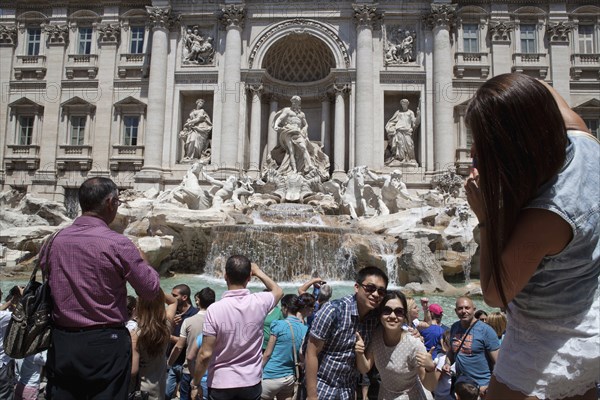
(286, 253)
(466, 267)
(388, 254)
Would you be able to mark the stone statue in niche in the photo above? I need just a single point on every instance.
(399, 131)
(400, 47)
(198, 48)
(295, 153)
(196, 135)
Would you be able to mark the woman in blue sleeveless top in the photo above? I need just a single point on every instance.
(536, 193)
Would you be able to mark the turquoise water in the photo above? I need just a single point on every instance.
(340, 289)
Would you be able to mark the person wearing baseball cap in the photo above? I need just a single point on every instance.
(433, 334)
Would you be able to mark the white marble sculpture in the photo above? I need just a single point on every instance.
(189, 191)
(230, 191)
(198, 49)
(400, 47)
(399, 130)
(295, 153)
(357, 198)
(196, 134)
(394, 193)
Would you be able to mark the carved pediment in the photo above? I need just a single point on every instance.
(130, 104)
(77, 104)
(590, 104)
(25, 105)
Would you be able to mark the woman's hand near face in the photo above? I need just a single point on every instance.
(474, 196)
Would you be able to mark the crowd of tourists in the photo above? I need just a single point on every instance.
(245, 346)
(535, 190)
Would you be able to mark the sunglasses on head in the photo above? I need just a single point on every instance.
(398, 311)
(370, 288)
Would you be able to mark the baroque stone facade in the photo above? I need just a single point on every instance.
(106, 89)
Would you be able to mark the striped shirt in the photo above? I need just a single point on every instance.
(336, 323)
(89, 267)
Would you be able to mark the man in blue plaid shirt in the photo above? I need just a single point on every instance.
(330, 361)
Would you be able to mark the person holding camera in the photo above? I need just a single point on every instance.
(321, 291)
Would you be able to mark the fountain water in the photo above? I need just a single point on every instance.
(466, 266)
(288, 241)
(284, 252)
(388, 254)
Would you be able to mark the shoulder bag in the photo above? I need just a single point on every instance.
(29, 330)
(297, 375)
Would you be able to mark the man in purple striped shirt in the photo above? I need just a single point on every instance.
(89, 266)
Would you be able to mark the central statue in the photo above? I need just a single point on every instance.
(295, 153)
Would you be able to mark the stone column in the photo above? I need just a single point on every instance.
(8, 42)
(339, 135)
(558, 41)
(500, 32)
(325, 122)
(160, 20)
(232, 19)
(365, 16)
(441, 19)
(108, 40)
(272, 136)
(57, 40)
(255, 120)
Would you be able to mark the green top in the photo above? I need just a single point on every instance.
(274, 315)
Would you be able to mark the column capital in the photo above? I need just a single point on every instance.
(232, 16)
(109, 33)
(8, 35)
(58, 35)
(340, 88)
(255, 88)
(367, 15)
(500, 30)
(558, 32)
(161, 17)
(443, 15)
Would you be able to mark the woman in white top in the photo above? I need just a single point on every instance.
(401, 359)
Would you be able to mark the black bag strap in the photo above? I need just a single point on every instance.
(463, 339)
(454, 355)
(44, 251)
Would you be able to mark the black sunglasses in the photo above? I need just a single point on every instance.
(398, 311)
(370, 288)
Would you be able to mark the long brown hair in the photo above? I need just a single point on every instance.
(154, 330)
(519, 139)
